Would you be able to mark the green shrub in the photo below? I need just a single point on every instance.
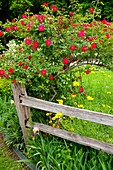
(5, 87)
(9, 124)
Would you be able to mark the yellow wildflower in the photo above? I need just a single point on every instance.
(108, 92)
(103, 105)
(48, 114)
(75, 83)
(71, 117)
(57, 126)
(59, 115)
(71, 129)
(54, 118)
(54, 125)
(60, 101)
(80, 106)
(50, 122)
(90, 98)
(108, 106)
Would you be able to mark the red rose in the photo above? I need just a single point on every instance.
(107, 35)
(29, 57)
(20, 49)
(43, 72)
(6, 76)
(81, 89)
(93, 45)
(81, 33)
(24, 16)
(48, 42)
(72, 47)
(8, 29)
(65, 61)
(13, 20)
(28, 41)
(15, 28)
(84, 48)
(14, 81)
(35, 45)
(71, 13)
(104, 21)
(84, 94)
(51, 77)
(41, 28)
(25, 67)
(91, 10)
(87, 71)
(105, 29)
(11, 71)
(1, 33)
(45, 4)
(2, 72)
(90, 39)
(22, 23)
(54, 8)
(20, 63)
(41, 18)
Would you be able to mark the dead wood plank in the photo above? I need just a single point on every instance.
(26, 109)
(93, 143)
(106, 147)
(92, 116)
(22, 111)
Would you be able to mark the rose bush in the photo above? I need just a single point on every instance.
(43, 49)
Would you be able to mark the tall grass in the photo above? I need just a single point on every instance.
(52, 153)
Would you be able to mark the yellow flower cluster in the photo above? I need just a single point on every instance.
(90, 98)
(108, 92)
(60, 101)
(48, 114)
(75, 83)
(81, 106)
(57, 116)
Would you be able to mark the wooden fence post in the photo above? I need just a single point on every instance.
(22, 111)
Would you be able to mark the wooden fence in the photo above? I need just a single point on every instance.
(24, 102)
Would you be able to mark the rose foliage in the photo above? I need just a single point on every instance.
(43, 49)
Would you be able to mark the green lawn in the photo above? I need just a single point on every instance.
(8, 160)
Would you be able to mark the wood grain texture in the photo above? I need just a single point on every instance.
(22, 111)
(92, 116)
(96, 144)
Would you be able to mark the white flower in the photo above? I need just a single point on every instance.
(12, 102)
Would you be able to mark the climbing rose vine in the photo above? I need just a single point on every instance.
(43, 47)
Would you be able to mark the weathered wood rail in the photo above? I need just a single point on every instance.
(24, 102)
